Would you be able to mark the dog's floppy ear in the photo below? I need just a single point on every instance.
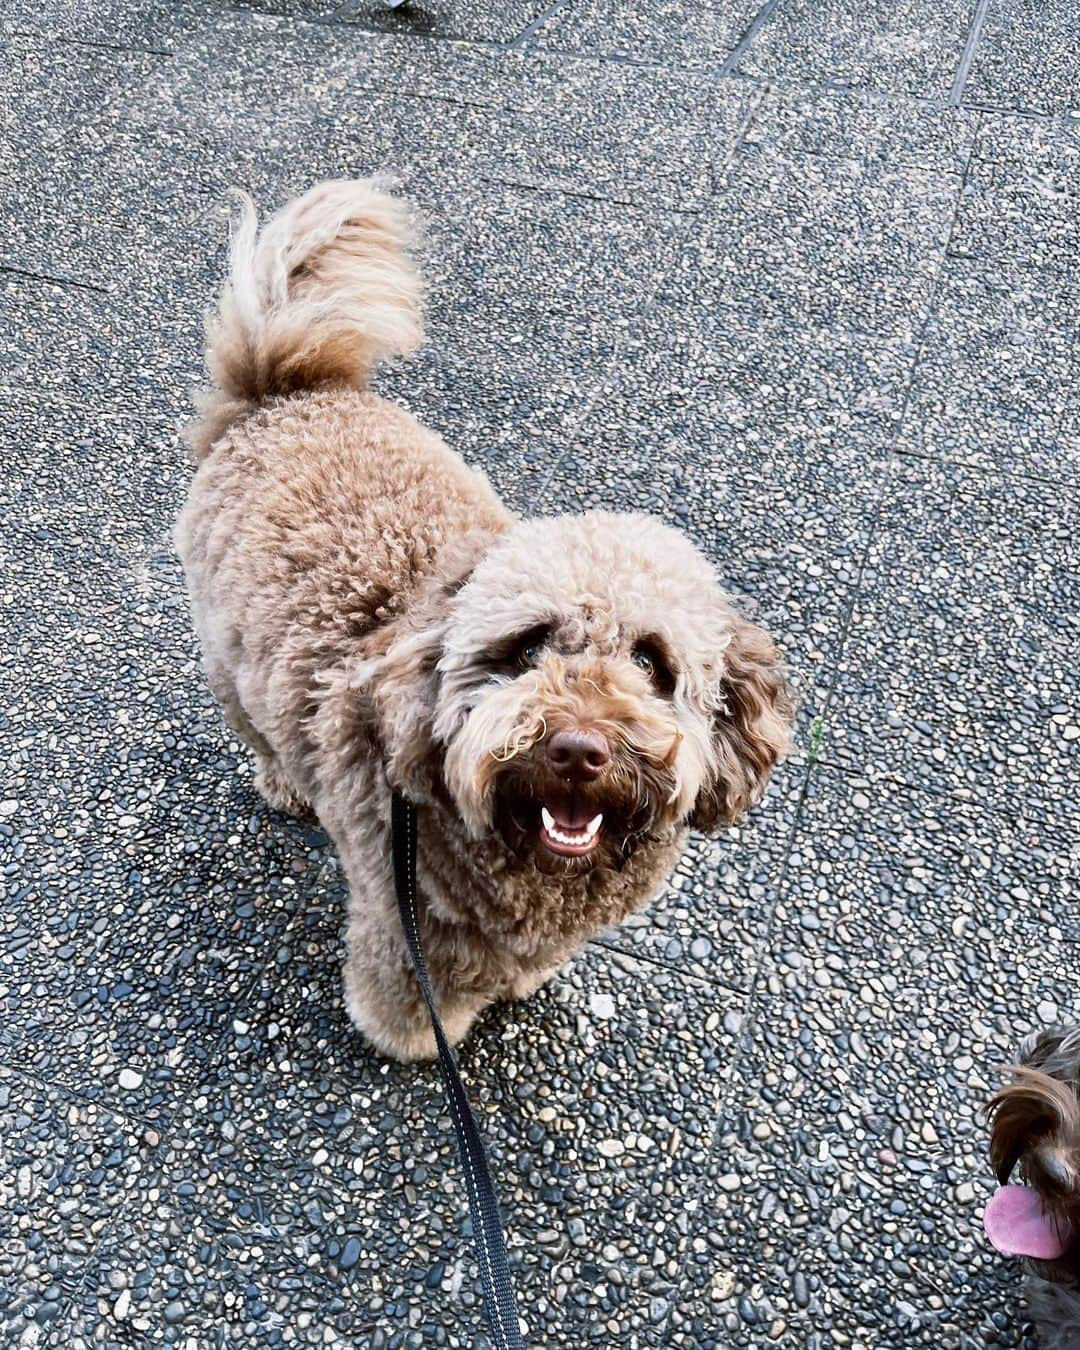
(1029, 1116)
(398, 679)
(402, 686)
(751, 728)
(380, 704)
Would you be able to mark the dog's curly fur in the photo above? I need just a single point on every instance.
(1035, 1132)
(372, 616)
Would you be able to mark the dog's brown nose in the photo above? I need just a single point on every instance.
(579, 755)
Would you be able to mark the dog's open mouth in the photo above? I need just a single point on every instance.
(559, 825)
(564, 831)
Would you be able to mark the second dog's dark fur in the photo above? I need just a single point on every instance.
(1036, 1135)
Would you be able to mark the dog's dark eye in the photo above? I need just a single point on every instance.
(648, 658)
(526, 649)
(528, 656)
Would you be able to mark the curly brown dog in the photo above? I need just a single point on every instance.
(561, 699)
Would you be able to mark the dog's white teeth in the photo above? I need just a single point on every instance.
(582, 836)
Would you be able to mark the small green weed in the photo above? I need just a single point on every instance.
(817, 735)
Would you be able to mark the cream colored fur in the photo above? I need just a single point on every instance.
(358, 592)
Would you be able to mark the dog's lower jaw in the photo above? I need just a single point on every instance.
(1055, 1309)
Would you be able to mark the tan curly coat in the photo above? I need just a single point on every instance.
(371, 615)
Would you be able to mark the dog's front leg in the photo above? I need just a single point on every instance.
(381, 991)
(385, 1003)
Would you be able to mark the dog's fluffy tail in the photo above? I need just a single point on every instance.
(316, 298)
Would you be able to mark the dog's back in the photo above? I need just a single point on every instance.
(318, 510)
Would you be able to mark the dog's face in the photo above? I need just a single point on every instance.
(594, 689)
(1036, 1135)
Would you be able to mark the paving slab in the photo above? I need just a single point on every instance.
(133, 937)
(1026, 58)
(48, 87)
(907, 48)
(47, 316)
(109, 475)
(995, 387)
(112, 201)
(915, 941)
(873, 128)
(555, 122)
(1044, 148)
(713, 916)
(156, 26)
(66, 1169)
(957, 667)
(824, 242)
(767, 443)
(630, 133)
(323, 102)
(518, 344)
(332, 1197)
(134, 353)
(313, 11)
(770, 447)
(478, 20)
(119, 188)
(1024, 226)
(658, 31)
(104, 207)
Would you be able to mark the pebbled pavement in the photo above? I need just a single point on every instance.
(801, 278)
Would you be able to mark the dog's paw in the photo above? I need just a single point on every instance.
(406, 1036)
(417, 1043)
(276, 790)
(528, 983)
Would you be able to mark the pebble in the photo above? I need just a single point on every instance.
(129, 1079)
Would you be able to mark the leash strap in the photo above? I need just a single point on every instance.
(499, 1302)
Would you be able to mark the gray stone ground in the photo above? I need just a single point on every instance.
(800, 279)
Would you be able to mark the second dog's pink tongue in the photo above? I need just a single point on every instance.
(1017, 1225)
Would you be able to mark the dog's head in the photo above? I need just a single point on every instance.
(590, 687)
(1035, 1134)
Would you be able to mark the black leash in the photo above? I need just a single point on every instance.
(499, 1301)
